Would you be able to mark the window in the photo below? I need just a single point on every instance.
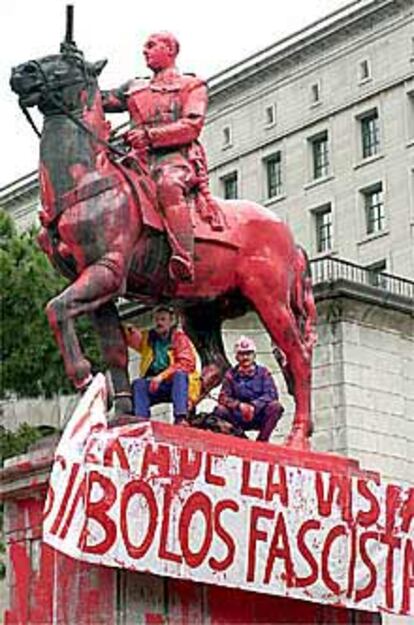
(273, 166)
(320, 156)
(227, 137)
(323, 227)
(374, 209)
(315, 93)
(364, 70)
(370, 134)
(230, 186)
(270, 115)
(375, 274)
(410, 115)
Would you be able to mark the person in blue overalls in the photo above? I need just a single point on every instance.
(249, 398)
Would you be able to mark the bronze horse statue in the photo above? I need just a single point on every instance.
(101, 229)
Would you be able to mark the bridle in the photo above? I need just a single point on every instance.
(47, 90)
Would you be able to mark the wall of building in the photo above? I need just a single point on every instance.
(332, 62)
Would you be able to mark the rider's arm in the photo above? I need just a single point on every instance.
(187, 129)
(115, 100)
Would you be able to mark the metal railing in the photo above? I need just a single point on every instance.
(334, 269)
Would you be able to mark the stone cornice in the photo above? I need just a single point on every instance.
(324, 114)
(364, 293)
(294, 49)
(18, 190)
(281, 81)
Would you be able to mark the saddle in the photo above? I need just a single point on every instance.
(208, 218)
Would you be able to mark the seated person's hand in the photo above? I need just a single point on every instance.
(155, 383)
(137, 138)
(247, 411)
(133, 335)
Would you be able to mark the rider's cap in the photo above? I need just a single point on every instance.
(244, 344)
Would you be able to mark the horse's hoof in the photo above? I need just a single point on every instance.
(125, 419)
(298, 440)
(83, 385)
(123, 405)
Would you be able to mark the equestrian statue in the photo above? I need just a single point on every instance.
(142, 225)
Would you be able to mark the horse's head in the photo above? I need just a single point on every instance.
(60, 77)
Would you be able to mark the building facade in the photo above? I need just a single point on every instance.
(320, 128)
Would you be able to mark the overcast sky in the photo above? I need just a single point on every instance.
(213, 35)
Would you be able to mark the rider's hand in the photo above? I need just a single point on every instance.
(247, 411)
(155, 383)
(137, 138)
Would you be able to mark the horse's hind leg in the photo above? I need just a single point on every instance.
(107, 324)
(202, 323)
(271, 305)
(96, 286)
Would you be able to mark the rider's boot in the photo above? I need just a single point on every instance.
(181, 239)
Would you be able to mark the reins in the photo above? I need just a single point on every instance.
(65, 111)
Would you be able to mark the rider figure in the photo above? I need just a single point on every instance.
(167, 113)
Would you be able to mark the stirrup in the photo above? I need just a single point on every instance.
(181, 269)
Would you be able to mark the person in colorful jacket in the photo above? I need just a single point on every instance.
(168, 370)
(249, 398)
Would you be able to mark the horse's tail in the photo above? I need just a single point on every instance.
(303, 303)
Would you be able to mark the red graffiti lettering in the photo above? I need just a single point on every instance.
(98, 511)
(342, 486)
(197, 502)
(132, 489)
(392, 503)
(279, 488)
(212, 478)
(333, 535)
(408, 577)
(158, 456)
(393, 543)
(163, 551)
(307, 526)
(407, 512)
(246, 488)
(255, 535)
(368, 589)
(114, 450)
(189, 468)
(64, 503)
(370, 516)
(217, 565)
(279, 548)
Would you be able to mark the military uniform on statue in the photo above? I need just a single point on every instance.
(168, 113)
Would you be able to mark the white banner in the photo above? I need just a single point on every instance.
(118, 497)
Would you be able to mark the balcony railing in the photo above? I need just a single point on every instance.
(334, 269)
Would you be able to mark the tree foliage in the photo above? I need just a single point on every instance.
(31, 364)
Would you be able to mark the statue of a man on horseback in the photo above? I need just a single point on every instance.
(167, 114)
(116, 230)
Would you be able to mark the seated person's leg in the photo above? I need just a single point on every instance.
(232, 416)
(141, 397)
(267, 419)
(179, 396)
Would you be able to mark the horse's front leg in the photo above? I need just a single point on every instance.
(115, 352)
(95, 286)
